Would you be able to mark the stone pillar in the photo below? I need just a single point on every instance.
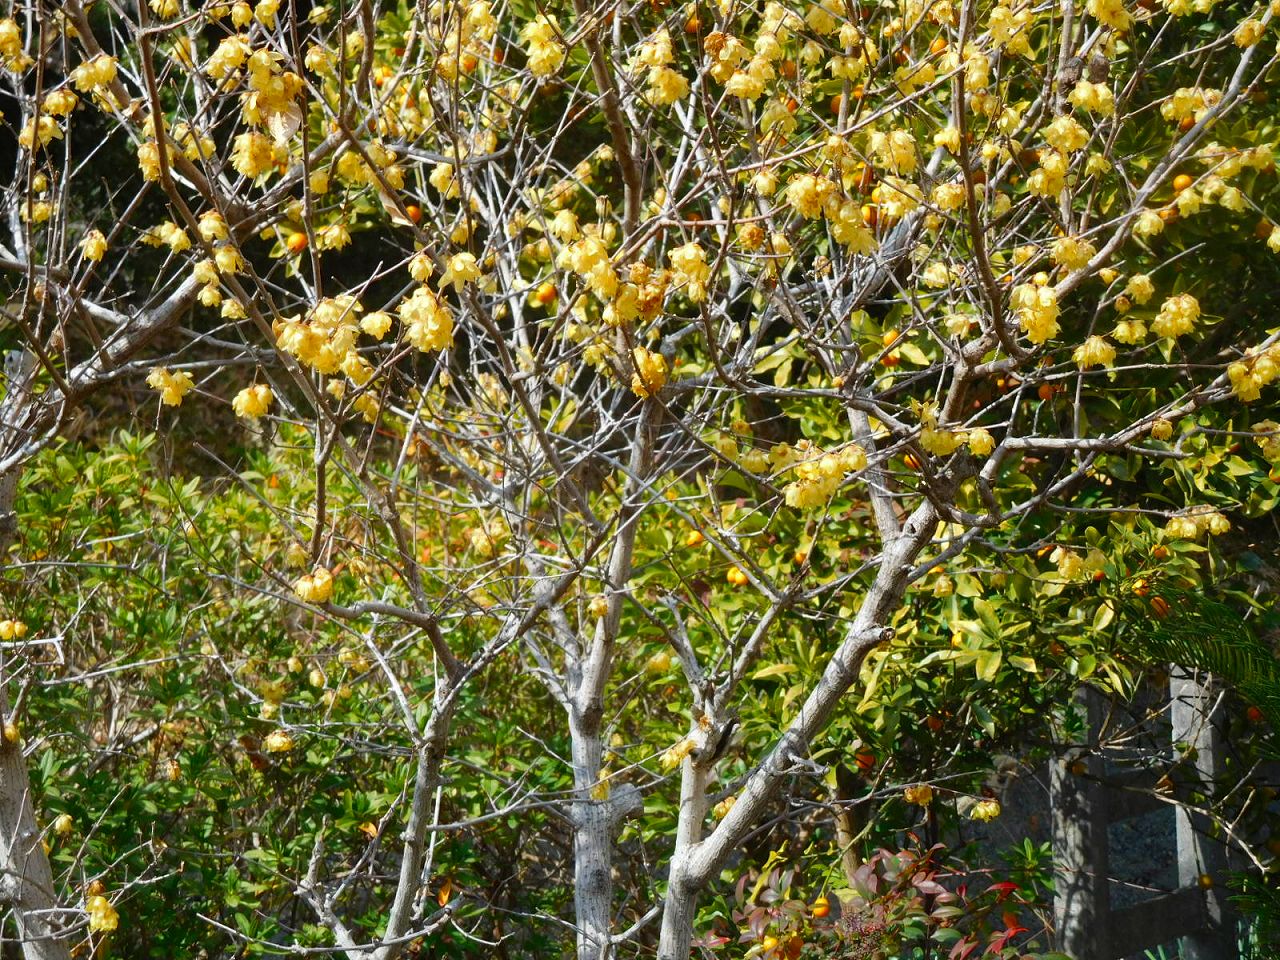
(1082, 900)
(1202, 858)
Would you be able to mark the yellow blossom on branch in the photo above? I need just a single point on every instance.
(651, 372)
(103, 917)
(171, 386)
(253, 402)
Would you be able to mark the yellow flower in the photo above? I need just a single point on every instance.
(981, 443)
(1072, 253)
(1065, 134)
(690, 269)
(212, 227)
(95, 73)
(333, 236)
(921, 795)
(277, 741)
(1037, 309)
(1110, 13)
(818, 475)
(1050, 178)
(1189, 102)
(936, 275)
(666, 86)
(10, 38)
(650, 373)
(93, 246)
(849, 229)
(314, 587)
(252, 155)
(319, 181)
(1094, 97)
(940, 443)
(589, 259)
(744, 86)
(102, 915)
(253, 402)
(1094, 352)
(1129, 332)
(1140, 288)
(172, 386)
(545, 52)
(42, 130)
(460, 270)
(672, 756)
(895, 150)
(1148, 224)
(985, 810)
(376, 324)
(721, 809)
(900, 197)
(1249, 32)
(1070, 566)
(265, 12)
(1010, 29)
(809, 195)
(61, 102)
(948, 138)
(428, 322)
(1177, 316)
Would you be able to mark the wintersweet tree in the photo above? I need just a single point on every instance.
(618, 337)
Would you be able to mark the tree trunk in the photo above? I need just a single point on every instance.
(592, 846)
(848, 824)
(682, 897)
(696, 860)
(26, 885)
(26, 879)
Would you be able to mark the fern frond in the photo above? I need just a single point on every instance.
(1160, 622)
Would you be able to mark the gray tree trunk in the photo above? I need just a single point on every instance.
(592, 849)
(696, 859)
(26, 878)
(27, 882)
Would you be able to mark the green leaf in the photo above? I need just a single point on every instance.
(773, 670)
(987, 664)
(1103, 616)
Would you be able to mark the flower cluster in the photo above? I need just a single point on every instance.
(253, 402)
(1177, 316)
(172, 386)
(543, 45)
(1196, 522)
(427, 321)
(690, 270)
(326, 339)
(1256, 371)
(666, 85)
(650, 372)
(1037, 309)
(819, 474)
(103, 917)
(314, 587)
